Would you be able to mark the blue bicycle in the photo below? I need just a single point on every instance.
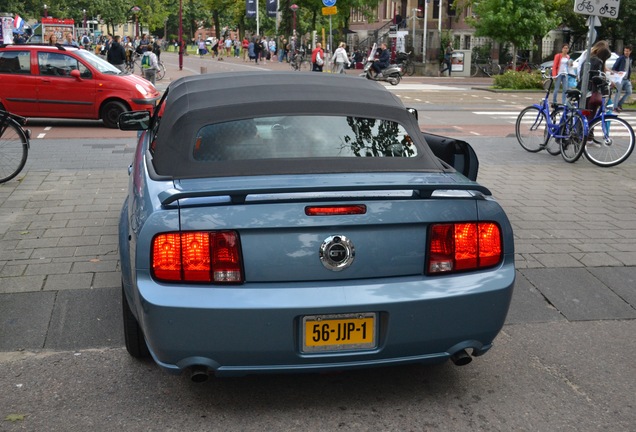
(562, 130)
(610, 139)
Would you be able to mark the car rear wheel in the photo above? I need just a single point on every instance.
(133, 335)
(110, 113)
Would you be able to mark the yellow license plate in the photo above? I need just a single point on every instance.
(339, 332)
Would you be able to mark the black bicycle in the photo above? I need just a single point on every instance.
(14, 145)
(406, 63)
(484, 66)
(299, 62)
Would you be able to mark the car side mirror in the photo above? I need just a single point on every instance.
(76, 74)
(456, 153)
(134, 120)
(414, 112)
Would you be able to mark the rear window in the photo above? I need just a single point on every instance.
(302, 137)
(15, 62)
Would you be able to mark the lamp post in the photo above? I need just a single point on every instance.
(84, 12)
(46, 11)
(294, 8)
(135, 10)
(180, 35)
(165, 29)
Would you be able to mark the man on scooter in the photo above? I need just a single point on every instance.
(383, 61)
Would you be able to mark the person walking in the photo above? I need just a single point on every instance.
(448, 59)
(149, 63)
(340, 58)
(597, 66)
(623, 64)
(202, 49)
(116, 54)
(560, 72)
(257, 49)
(317, 58)
(246, 51)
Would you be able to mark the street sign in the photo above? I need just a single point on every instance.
(329, 3)
(601, 8)
(331, 10)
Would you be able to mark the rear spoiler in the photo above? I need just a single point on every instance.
(238, 196)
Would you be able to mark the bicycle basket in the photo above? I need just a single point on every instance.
(400, 57)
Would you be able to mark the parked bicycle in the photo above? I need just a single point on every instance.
(299, 62)
(610, 140)
(523, 65)
(484, 65)
(14, 145)
(560, 131)
(406, 63)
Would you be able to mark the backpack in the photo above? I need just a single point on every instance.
(145, 62)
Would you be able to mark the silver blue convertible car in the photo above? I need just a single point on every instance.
(286, 222)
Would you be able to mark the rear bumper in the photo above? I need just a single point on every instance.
(241, 330)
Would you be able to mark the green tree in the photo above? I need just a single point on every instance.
(516, 22)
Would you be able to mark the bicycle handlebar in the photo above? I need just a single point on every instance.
(22, 121)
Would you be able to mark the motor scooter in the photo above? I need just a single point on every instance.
(390, 74)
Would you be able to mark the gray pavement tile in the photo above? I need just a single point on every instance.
(48, 269)
(86, 318)
(68, 282)
(621, 280)
(95, 266)
(21, 284)
(79, 241)
(528, 304)
(557, 260)
(53, 252)
(107, 280)
(24, 320)
(628, 258)
(12, 270)
(597, 259)
(578, 295)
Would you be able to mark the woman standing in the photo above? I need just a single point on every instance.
(560, 73)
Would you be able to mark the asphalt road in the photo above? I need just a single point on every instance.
(563, 362)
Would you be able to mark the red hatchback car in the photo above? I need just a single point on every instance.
(67, 82)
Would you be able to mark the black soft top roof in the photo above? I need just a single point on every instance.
(195, 101)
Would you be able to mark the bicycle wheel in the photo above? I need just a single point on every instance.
(14, 148)
(609, 142)
(553, 145)
(474, 70)
(409, 67)
(530, 129)
(305, 65)
(573, 145)
(494, 69)
(161, 72)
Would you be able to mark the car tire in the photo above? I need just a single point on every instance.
(133, 335)
(110, 113)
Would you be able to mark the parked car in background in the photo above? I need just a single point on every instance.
(67, 82)
(284, 222)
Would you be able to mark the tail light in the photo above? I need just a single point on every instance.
(199, 256)
(463, 246)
